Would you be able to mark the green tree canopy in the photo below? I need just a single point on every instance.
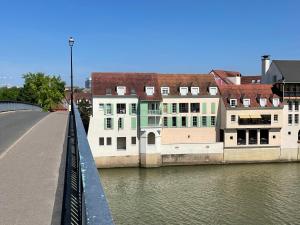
(12, 94)
(46, 91)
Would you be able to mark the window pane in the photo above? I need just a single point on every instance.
(133, 140)
(101, 141)
(252, 137)
(264, 136)
(241, 137)
(108, 141)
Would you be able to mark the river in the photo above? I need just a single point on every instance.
(211, 194)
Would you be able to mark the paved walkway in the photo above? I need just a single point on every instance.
(30, 174)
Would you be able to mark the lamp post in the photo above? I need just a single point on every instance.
(71, 43)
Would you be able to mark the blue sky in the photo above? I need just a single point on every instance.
(182, 36)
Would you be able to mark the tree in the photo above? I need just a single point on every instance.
(12, 94)
(85, 110)
(46, 91)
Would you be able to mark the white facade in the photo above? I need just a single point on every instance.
(98, 129)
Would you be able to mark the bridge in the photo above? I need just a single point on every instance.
(48, 175)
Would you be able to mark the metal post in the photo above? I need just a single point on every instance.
(72, 110)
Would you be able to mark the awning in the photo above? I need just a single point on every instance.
(244, 116)
(255, 116)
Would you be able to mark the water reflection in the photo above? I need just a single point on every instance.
(228, 194)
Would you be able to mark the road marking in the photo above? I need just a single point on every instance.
(3, 154)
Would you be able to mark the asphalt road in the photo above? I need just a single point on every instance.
(14, 124)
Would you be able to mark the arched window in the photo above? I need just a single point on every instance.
(151, 138)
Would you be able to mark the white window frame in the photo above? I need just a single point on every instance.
(231, 101)
(275, 118)
(262, 102)
(275, 102)
(213, 90)
(245, 100)
(121, 90)
(184, 91)
(149, 91)
(101, 106)
(195, 90)
(165, 90)
(231, 118)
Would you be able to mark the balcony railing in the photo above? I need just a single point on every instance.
(292, 94)
(84, 200)
(154, 112)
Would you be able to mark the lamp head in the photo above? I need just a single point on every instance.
(71, 41)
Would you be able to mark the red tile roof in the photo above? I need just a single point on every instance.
(137, 81)
(250, 79)
(249, 91)
(223, 75)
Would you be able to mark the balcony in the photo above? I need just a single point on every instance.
(292, 94)
(255, 120)
(154, 112)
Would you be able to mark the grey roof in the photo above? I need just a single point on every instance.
(290, 69)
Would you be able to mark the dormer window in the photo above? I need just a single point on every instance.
(195, 90)
(275, 102)
(184, 90)
(263, 102)
(121, 90)
(246, 102)
(213, 90)
(132, 92)
(233, 102)
(108, 91)
(165, 90)
(149, 91)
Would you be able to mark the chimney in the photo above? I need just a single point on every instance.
(265, 64)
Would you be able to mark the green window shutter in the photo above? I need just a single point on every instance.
(178, 121)
(199, 122)
(204, 108)
(112, 109)
(122, 123)
(213, 108)
(144, 108)
(112, 123)
(130, 109)
(169, 121)
(104, 107)
(169, 108)
(208, 121)
(133, 123)
(105, 127)
(191, 121)
(177, 108)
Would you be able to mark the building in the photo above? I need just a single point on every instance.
(152, 119)
(285, 77)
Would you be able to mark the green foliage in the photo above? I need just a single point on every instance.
(12, 93)
(46, 91)
(85, 110)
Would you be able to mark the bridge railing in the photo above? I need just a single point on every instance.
(84, 199)
(6, 106)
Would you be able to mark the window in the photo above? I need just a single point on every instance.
(151, 138)
(108, 109)
(183, 121)
(165, 108)
(133, 108)
(241, 137)
(121, 143)
(262, 102)
(275, 102)
(165, 90)
(183, 107)
(149, 90)
(165, 121)
(101, 141)
(121, 108)
(233, 102)
(121, 90)
(108, 123)
(290, 106)
(232, 118)
(264, 136)
(132, 92)
(213, 90)
(174, 121)
(184, 90)
(290, 119)
(275, 118)
(108, 91)
(108, 141)
(194, 90)
(120, 123)
(296, 106)
(101, 106)
(195, 107)
(153, 108)
(246, 102)
(204, 121)
(133, 140)
(195, 121)
(174, 108)
(213, 121)
(296, 118)
(252, 137)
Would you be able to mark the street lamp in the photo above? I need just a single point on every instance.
(71, 43)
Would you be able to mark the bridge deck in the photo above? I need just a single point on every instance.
(31, 173)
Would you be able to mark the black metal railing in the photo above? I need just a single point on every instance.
(84, 199)
(6, 106)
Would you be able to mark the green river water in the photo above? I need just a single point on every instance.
(213, 194)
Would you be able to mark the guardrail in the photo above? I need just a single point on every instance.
(84, 199)
(6, 106)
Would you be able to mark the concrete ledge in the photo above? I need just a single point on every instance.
(117, 161)
(150, 160)
(291, 154)
(192, 159)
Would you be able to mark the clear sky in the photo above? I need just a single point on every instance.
(181, 36)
